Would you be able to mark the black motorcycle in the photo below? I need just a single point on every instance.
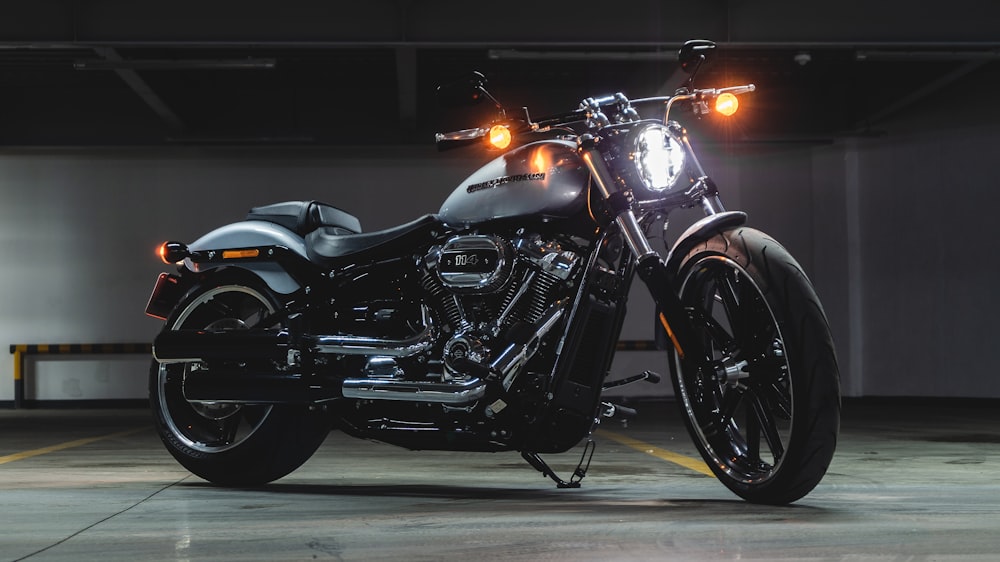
(491, 325)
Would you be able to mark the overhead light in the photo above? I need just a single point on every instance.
(518, 54)
(239, 140)
(177, 64)
(911, 55)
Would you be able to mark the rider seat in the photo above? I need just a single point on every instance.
(303, 217)
(326, 245)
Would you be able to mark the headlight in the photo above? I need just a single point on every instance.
(659, 158)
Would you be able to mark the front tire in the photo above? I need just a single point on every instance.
(767, 415)
(230, 444)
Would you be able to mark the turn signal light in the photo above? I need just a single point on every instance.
(500, 136)
(173, 252)
(727, 104)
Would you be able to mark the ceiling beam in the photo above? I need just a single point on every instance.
(140, 87)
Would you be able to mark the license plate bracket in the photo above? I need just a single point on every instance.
(167, 291)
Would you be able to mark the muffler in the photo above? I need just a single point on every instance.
(249, 386)
(182, 346)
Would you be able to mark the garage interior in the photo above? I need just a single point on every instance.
(868, 149)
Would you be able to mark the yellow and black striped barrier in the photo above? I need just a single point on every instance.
(21, 350)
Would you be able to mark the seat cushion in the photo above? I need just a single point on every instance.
(303, 217)
(326, 244)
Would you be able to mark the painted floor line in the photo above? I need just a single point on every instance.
(696, 465)
(67, 445)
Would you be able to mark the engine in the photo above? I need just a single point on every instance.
(491, 291)
(472, 263)
(493, 308)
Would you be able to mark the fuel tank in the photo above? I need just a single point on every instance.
(545, 178)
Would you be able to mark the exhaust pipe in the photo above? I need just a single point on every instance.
(360, 345)
(184, 346)
(246, 386)
(454, 393)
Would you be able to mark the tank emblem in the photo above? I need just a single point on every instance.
(505, 180)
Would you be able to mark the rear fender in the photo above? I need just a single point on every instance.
(252, 234)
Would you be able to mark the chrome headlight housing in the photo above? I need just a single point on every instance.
(659, 158)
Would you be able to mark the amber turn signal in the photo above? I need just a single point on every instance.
(500, 136)
(727, 104)
(173, 252)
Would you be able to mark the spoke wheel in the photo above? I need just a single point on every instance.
(212, 427)
(224, 442)
(742, 408)
(763, 405)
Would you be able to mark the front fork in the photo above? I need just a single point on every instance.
(652, 270)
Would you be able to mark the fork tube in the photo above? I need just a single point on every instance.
(618, 201)
(712, 204)
(650, 267)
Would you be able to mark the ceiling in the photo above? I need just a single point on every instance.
(316, 72)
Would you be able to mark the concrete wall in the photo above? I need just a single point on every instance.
(889, 230)
(929, 263)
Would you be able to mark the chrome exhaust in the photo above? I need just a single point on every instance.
(361, 345)
(452, 393)
(185, 346)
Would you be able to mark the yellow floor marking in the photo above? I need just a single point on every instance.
(696, 465)
(67, 445)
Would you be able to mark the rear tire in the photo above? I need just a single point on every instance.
(225, 443)
(766, 420)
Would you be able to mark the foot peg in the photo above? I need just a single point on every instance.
(643, 376)
(611, 410)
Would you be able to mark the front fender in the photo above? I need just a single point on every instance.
(699, 232)
(247, 234)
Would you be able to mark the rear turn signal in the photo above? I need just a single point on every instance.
(173, 252)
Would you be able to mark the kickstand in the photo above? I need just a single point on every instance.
(578, 474)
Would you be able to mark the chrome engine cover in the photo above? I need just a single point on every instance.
(472, 263)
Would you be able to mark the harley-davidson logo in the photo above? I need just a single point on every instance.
(505, 180)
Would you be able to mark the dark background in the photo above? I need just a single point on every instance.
(316, 72)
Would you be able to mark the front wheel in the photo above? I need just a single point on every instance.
(223, 442)
(766, 414)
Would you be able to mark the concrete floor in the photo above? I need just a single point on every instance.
(909, 482)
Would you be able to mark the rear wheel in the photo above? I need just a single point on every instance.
(766, 416)
(230, 443)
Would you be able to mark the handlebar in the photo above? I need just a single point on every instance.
(458, 139)
(591, 112)
(735, 90)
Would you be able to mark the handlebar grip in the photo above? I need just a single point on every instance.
(737, 90)
(458, 139)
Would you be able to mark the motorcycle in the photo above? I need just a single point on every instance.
(492, 324)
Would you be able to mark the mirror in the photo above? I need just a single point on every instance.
(468, 91)
(693, 53)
